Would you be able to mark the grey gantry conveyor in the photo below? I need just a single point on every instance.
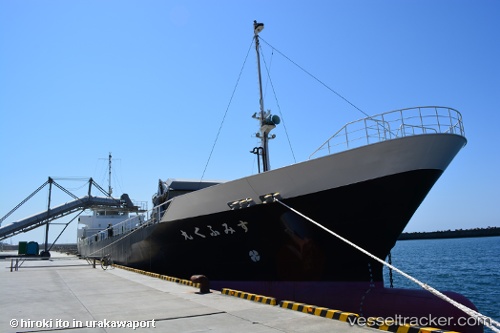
(56, 212)
(78, 204)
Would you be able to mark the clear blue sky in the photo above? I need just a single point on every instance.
(150, 81)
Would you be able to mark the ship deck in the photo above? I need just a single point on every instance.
(65, 294)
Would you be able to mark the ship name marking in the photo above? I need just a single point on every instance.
(228, 229)
(243, 224)
(213, 232)
(196, 229)
(186, 236)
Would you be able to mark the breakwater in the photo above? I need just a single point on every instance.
(458, 233)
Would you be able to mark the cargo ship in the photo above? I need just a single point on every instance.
(364, 183)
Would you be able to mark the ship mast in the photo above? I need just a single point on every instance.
(110, 189)
(267, 121)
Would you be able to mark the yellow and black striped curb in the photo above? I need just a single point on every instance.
(159, 276)
(319, 311)
(355, 319)
(351, 318)
(250, 297)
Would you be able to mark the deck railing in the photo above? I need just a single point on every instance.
(126, 226)
(393, 125)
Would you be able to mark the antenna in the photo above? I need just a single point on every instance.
(110, 189)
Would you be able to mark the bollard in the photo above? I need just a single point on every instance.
(203, 281)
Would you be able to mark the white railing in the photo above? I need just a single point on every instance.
(393, 125)
(128, 225)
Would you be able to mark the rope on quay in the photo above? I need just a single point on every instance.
(487, 321)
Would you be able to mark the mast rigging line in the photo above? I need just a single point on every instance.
(314, 77)
(77, 188)
(227, 109)
(278, 105)
(487, 321)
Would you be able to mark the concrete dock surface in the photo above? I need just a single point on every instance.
(65, 294)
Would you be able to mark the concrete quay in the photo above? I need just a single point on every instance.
(65, 294)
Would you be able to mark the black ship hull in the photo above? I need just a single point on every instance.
(268, 249)
(269, 242)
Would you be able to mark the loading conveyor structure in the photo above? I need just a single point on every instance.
(78, 204)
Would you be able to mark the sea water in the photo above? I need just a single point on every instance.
(468, 266)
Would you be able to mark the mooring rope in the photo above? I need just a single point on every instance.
(487, 321)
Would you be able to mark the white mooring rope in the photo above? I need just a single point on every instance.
(487, 321)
